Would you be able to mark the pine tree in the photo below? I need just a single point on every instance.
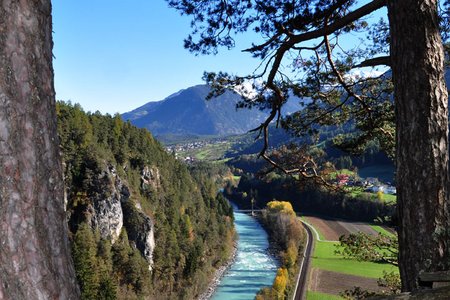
(85, 260)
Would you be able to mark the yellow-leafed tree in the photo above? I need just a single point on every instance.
(280, 206)
(279, 284)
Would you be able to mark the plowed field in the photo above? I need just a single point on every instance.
(334, 283)
(332, 229)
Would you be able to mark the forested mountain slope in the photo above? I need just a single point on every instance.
(142, 224)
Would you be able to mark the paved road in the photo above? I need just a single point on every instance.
(301, 287)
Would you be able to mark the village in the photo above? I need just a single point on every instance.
(370, 184)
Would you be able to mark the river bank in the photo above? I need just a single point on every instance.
(220, 272)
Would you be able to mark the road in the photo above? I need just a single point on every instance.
(301, 286)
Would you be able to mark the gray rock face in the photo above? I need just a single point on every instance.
(107, 214)
(140, 229)
(112, 209)
(150, 177)
(145, 239)
(150, 246)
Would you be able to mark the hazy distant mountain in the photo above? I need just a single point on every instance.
(188, 113)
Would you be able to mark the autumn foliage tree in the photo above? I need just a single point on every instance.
(282, 221)
(279, 284)
(287, 233)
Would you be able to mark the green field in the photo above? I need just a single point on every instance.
(381, 230)
(324, 258)
(236, 178)
(321, 296)
(210, 152)
(388, 198)
(213, 152)
(358, 192)
(342, 172)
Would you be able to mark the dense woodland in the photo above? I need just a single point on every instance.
(193, 227)
(309, 198)
(325, 150)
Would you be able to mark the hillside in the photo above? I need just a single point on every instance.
(188, 113)
(142, 224)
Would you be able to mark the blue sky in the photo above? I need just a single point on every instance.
(114, 56)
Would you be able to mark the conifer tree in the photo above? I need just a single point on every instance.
(85, 260)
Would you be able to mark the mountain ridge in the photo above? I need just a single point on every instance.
(187, 112)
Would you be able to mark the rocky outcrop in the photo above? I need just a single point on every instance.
(111, 208)
(106, 209)
(140, 230)
(145, 239)
(150, 177)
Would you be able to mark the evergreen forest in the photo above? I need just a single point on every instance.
(106, 158)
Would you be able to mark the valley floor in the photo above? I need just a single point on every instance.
(332, 274)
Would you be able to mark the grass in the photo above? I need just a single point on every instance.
(358, 192)
(324, 258)
(354, 192)
(381, 230)
(388, 198)
(346, 171)
(236, 178)
(321, 296)
(221, 161)
(209, 152)
(201, 155)
(342, 172)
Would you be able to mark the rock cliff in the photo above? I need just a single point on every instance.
(106, 209)
(111, 208)
(140, 229)
(150, 177)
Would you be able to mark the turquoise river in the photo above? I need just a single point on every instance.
(253, 267)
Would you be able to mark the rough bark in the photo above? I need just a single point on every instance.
(35, 261)
(421, 104)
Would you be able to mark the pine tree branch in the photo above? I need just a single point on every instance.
(376, 61)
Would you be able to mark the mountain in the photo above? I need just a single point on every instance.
(188, 113)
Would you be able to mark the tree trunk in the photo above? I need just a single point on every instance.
(421, 107)
(35, 261)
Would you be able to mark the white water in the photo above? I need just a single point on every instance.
(253, 268)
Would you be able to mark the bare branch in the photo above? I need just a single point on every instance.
(309, 48)
(264, 45)
(376, 61)
(341, 78)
